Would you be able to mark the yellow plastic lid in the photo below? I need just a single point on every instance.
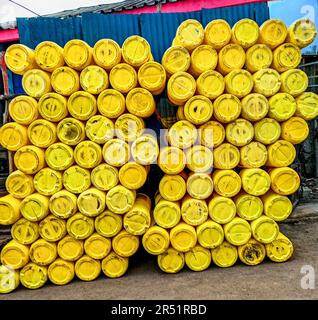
(152, 76)
(190, 34)
(254, 107)
(258, 57)
(76, 179)
(114, 266)
(71, 131)
(267, 82)
(61, 272)
(99, 129)
(225, 255)
(42, 133)
(194, 211)
(49, 55)
(35, 207)
(199, 185)
(212, 134)
(97, 247)
(198, 258)
(167, 214)
(306, 106)
(88, 154)
(48, 181)
(172, 187)
(120, 199)
(294, 82)
(129, 127)
(285, 180)
(108, 224)
(80, 226)
(136, 51)
(217, 33)
(302, 33)
(210, 234)
(239, 83)
(9, 279)
(267, 131)
(81, 105)
(276, 206)
(77, 54)
(70, 249)
(280, 250)
(281, 154)
(282, 106)
(237, 231)
(59, 156)
(52, 228)
(248, 207)
(226, 156)
(171, 261)
(123, 77)
(53, 107)
(176, 59)
(116, 152)
(87, 269)
(94, 79)
(183, 237)
(29, 159)
(171, 160)
(23, 109)
(111, 103)
(13, 136)
(15, 255)
(91, 202)
(145, 150)
(104, 177)
(132, 175)
(199, 159)
(210, 84)
(10, 210)
(107, 53)
(181, 87)
(221, 209)
(19, 58)
(198, 110)
(227, 183)
(19, 184)
(36, 83)
(227, 108)
(245, 32)
(156, 240)
(182, 134)
(125, 244)
(252, 253)
(231, 57)
(137, 220)
(253, 155)
(255, 181)
(33, 276)
(25, 231)
(286, 56)
(203, 58)
(43, 252)
(295, 130)
(273, 32)
(65, 81)
(264, 229)
(239, 132)
(63, 204)
(140, 102)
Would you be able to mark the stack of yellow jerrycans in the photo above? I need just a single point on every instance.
(241, 109)
(80, 155)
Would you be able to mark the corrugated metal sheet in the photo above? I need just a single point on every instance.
(115, 26)
(34, 30)
(257, 11)
(160, 28)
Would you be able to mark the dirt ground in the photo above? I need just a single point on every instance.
(144, 280)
